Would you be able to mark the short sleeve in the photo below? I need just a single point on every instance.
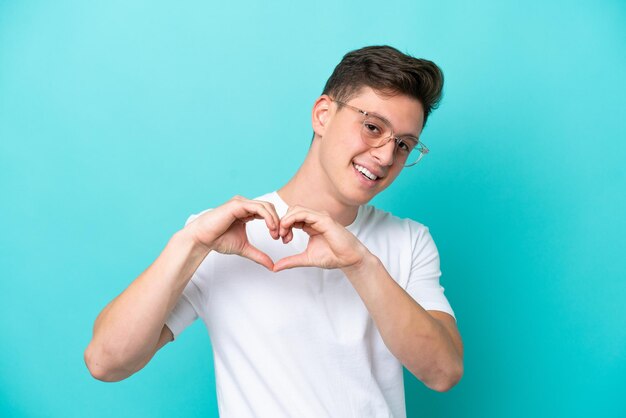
(423, 284)
(189, 305)
(185, 311)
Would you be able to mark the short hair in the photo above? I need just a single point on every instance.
(388, 71)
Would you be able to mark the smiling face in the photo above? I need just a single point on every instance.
(347, 163)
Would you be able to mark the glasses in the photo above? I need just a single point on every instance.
(377, 131)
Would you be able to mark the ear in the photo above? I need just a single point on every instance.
(321, 114)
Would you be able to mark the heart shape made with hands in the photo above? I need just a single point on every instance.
(283, 232)
(330, 244)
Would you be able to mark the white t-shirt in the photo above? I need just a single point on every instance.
(301, 343)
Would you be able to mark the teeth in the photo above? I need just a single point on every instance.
(365, 171)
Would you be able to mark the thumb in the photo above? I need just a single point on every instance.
(298, 260)
(251, 252)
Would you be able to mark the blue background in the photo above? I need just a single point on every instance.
(119, 119)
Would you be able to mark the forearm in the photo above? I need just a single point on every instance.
(128, 328)
(412, 335)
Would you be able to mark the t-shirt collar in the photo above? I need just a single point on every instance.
(281, 208)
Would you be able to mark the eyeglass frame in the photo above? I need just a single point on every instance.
(423, 150)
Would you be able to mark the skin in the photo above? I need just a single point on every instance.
(323, 197)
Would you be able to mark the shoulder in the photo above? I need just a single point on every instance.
(374, 217)
(398, 230)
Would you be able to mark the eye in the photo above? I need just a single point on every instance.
(406, 145)
(372, 129)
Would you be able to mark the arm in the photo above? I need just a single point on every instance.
(426, 342)
(131, 328)
(127, 332)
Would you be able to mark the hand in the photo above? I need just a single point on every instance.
(330, 246)
(223, 229)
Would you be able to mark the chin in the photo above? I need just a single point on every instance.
(359, 197)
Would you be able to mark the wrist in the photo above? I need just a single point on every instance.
(366, 264)
(188, 238)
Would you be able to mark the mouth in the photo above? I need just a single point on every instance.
(369, 177)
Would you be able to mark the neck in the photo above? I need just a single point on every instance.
(310, 188)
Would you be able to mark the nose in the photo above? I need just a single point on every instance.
(385, 154)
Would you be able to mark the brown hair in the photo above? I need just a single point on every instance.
(388, 71)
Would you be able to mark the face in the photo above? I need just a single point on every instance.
(344, 157)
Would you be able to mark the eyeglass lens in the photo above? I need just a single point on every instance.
(376, 132)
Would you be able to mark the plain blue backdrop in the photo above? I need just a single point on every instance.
(120, 119)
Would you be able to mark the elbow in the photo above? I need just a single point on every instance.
(449, 379)
(97, 369)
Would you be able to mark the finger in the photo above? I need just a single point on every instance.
(282, 232)
(250, 218)
(271, 218)
(271, 209)
(298, 260)
(254, 254)
(304, 216)
(288, 222)
(283, 229)
(245, 209)
(306, 228)
(287, 235)
(298, 225)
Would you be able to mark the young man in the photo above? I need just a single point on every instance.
(313, 300)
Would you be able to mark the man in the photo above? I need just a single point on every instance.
(313, 300)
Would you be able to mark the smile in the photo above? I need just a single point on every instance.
(365, 172)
